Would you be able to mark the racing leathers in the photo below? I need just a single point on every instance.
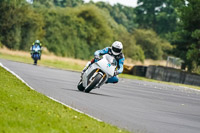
(33, 47)
(38, 45)
(120, 61)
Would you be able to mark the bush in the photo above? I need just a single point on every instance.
(20, 25)
(76, 32)
(154, 47)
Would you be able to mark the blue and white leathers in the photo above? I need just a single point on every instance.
(34, 47)
(120, 62)
(36, 51)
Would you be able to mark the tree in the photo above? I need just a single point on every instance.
(43, 3)
(76, 31)
(159, 15)
(79, 31)
(121, 14)
(19, 24)
(68, 3)
(130, 49)
(154, 47)
(187, 39)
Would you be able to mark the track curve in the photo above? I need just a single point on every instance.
(138, 106)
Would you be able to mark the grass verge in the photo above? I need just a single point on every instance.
(157, 81)
(45, 62)
(25, 110)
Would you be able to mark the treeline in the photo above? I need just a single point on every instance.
(177, 21)
(76, 29)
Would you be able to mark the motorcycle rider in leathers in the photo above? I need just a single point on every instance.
(38, 45)
(116, 51)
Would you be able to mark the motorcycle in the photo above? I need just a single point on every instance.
(97, 73)
(36, 54)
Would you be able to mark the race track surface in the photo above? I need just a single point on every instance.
(139, 106)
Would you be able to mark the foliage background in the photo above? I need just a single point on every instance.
(72, 28)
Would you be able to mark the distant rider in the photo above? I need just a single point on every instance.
(116, 51)
(38, 45)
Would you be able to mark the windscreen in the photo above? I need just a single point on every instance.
(111, 59)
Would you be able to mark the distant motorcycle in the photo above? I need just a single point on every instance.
(97, 73)
(36, 51)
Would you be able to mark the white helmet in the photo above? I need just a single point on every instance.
(37, 41)
(117, 48)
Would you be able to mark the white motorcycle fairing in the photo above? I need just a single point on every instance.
(105, 67)
(36, 50)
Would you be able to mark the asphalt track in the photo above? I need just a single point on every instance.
(138, 106)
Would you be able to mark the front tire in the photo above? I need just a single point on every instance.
(93, 83)
(80, 86)
(35, 58)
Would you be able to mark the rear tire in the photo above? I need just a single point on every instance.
(35, 62)
(35, 58)
(80, 86)
(94, 83)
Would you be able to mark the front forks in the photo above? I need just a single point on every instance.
(93, 76)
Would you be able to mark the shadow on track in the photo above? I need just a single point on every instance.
(99, 94)
(91, 93)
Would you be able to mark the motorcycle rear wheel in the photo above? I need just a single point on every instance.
(93, 83)
(35, 62)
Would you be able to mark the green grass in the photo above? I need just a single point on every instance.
(24, 110)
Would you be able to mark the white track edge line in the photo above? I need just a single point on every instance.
(46, 95)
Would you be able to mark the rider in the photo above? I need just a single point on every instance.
(36, 44)
(116, 51)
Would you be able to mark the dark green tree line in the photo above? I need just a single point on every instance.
(78, 33)
(187, 36)
(68, 3)
(19, 24)
(68, 28)
(153, 46)
(121, 14)
(159, 15)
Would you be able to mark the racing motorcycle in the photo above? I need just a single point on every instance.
(36, 54)
(97, 73)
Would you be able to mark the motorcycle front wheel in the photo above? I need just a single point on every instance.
(93, 83)
(80, 86)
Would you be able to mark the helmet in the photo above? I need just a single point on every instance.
(37, 41)
(117, 48)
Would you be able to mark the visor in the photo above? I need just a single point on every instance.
(116, 50)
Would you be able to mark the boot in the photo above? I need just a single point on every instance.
(85, 68)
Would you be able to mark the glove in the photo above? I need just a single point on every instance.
(116, 73)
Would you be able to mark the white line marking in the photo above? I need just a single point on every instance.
(46, 95)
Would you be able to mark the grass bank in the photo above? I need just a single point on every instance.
(47, 60)
(157, 81)
(24, 110)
